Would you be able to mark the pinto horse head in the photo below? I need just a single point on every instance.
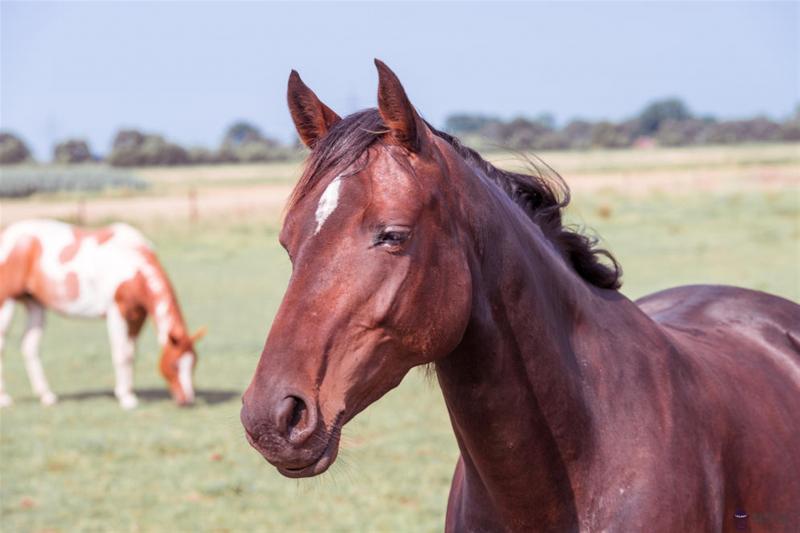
(380, 280)
(178, 359)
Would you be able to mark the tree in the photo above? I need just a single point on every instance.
(655, 113)
(736, 131)
(244, 142)
(790, 130)
(241, 133)
(466, 123)
(13, 149)
(548, 120)
(127, 139)
(609, 135)
(134, 148)
(72, 151)
(523, 134)
(682, 132)
(579, 134)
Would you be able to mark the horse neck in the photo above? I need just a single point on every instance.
(160, 300)
(515, 386)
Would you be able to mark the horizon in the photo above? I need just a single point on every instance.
(88, 70)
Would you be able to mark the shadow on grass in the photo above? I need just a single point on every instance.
(208, 396)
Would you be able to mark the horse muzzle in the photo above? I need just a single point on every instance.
(290, 434)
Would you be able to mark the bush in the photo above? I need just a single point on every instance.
(254, 151)
(579, 134)
(523, 134)
(551, 140)
(12, 149)
(243, 142)
(737, 131)
(682, 132)
(657, 112)
(790, 130)
(465, 123)
(608, 135)
(72, 151)
(201, 156)
(133, 148)
(260, 151)
(241, 133)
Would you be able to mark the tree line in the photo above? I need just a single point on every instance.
(667, 122)
(243, 142)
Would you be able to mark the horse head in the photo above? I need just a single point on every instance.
(380, 281)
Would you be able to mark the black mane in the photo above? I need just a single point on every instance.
(542, 198)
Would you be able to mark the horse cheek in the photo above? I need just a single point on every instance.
(449, 309)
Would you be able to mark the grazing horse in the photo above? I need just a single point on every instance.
(111, 272)
(574, 408)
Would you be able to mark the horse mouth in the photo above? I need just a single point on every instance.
(318, 465)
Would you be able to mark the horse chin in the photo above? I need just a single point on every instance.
(319, 465)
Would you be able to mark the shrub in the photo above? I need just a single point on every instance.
(13, 149)
(551, 140)
(657, 112)
(72, 151)
(466, 123)
(682, 132)
(736, 131)
(790, 130)
(201, 156)
(241, 133)
(579, 134)
(608, 135)
(133, 148)
(243, 142)
(523, 134)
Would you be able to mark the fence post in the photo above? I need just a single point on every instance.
(192, 205)
(81, 212)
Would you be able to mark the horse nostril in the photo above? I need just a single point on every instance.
(293, 419)
(298, 413)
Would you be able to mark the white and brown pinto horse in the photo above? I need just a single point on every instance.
(111, 272)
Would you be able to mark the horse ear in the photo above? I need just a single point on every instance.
(199, 334)
(311, 117)
(396, 110)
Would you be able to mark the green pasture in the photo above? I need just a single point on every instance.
(86, 465)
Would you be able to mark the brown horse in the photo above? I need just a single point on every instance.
(574, 408)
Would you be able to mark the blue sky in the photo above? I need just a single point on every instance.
(188, 69)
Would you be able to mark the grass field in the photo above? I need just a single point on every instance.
(85, 465)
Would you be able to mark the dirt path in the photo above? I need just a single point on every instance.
(240, 202)
(267, 201)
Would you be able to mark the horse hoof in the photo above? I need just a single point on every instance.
(128, 402)
(48, 398)
(6, 401)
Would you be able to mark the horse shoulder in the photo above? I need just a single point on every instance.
(741, 389)
(21, 250)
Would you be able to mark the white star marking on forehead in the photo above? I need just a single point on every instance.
(328, 202)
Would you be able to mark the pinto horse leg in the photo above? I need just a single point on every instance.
(6, 314)
(122, 354)
(31, 340)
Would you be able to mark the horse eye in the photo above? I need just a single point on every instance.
(392, 236)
